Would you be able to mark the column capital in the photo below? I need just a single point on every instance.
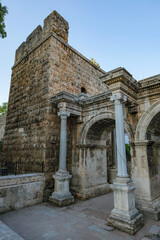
(118, 96)
(63, 114)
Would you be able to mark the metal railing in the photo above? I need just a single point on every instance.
(16, 168)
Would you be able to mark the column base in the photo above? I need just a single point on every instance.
(61, 201)
(128, 226)
(125, 216)
(61, 195)
(150, 208)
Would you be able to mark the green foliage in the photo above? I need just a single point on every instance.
(3, 108)
(94, 62)
(3, 12)
(128, 149)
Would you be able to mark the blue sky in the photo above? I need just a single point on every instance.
(115, 33)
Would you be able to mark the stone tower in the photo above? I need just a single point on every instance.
(45, 64)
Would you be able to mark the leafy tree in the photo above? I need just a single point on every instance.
(3, 12)
(128, 149)
(94, 62)
(3, 108)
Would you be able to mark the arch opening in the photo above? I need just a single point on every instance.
(153, 154)
(100, 155)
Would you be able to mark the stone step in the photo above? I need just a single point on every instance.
(7, 233)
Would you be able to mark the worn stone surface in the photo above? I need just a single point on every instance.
(61, 195)
(46, 66)
(20, 191)
(82, 220)
(154, 230)
(8, 234)
(129, 226)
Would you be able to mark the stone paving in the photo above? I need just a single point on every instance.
(7, 234)
(84, 220)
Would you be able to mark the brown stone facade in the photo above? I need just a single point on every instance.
(44, 65)
(49, 76)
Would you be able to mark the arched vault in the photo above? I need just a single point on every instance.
(145, 120)
(108, 116)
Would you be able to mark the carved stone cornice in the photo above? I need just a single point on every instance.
(72, 99)
(151, 81)
(149, 87)
(120, 75)
(62, 97)
(95, 99)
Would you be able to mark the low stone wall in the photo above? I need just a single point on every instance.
(21, 191)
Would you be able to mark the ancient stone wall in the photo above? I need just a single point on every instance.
(21, 191)
(44, 65)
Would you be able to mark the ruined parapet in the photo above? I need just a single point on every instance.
(54, 23)
(57, 24)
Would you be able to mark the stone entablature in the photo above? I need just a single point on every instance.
(149, 87)
(149, 81)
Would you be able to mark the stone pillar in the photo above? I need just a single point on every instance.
(124, 216)
(63, 140)
(114, 148)
(120, 139)
(61, 195)
(148, 203)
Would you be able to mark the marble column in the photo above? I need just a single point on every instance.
(124, 216)
(61, 195)
(120, 139)
(63, 140)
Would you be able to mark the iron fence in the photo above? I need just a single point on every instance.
(16, 168)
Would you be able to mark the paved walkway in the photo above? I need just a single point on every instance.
(84, 220)
(7, 234)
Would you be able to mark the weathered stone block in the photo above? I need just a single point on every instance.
(61, 194)
(57, 24)
(20, 191)
(155, 230)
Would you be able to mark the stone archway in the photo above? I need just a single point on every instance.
(146, 169)
(97, 159)
(102, 116)
(144, 121)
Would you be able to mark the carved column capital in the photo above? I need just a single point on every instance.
(63, 114)
(118, 98)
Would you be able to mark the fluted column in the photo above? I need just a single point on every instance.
(120, 138)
